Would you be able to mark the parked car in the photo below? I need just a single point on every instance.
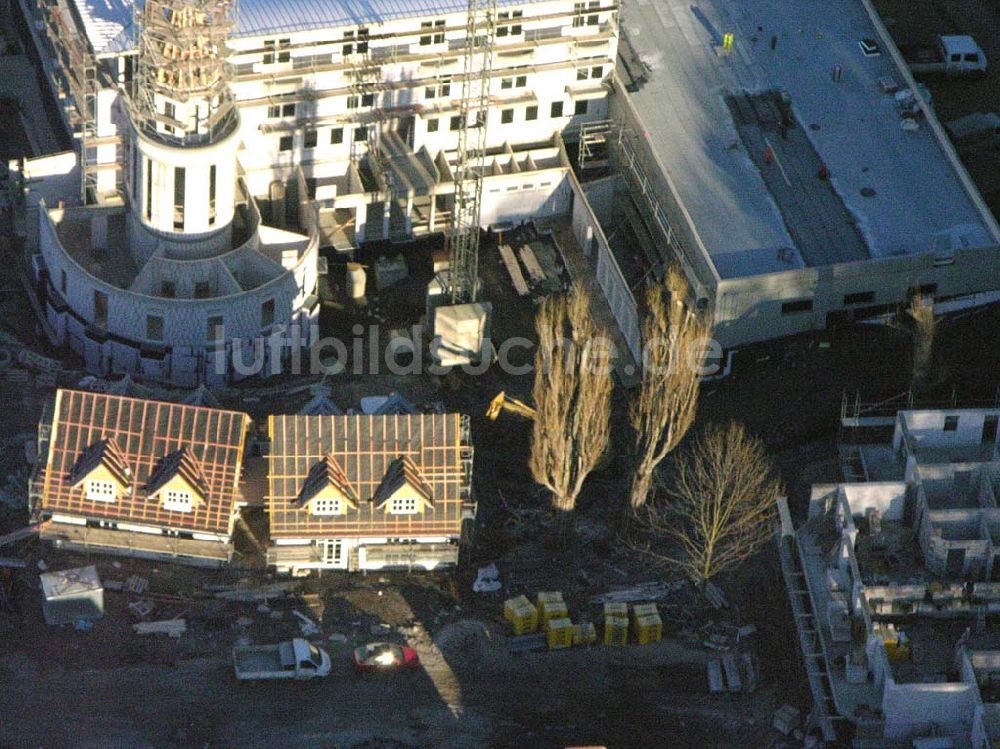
(379, 657)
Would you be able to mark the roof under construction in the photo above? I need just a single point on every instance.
(155, 441)
(372, 456)
(108, 23)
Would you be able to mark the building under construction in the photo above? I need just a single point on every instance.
(339, 125)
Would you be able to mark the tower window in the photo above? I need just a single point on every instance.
(580, 107)
(506, 116)
(285, 143)
(360, 134)
(531, 113)
(179, 176)
(211, 195)
(432, 126)
(267, 313)
(310, 139)
(557, 109)
(337, 135)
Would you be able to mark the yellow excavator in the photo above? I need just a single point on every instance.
(503, 403)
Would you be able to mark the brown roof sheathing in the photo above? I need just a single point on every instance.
(146, 432)
(365, 446)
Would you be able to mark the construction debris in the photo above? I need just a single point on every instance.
(390, 271)
(172, 627)
(488, 579)
(650, 591)
(260, 593)
(306, 625)
(714, 595)
(141, 608)
(514, 270)
(137, 585)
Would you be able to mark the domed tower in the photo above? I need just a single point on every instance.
(185, 125)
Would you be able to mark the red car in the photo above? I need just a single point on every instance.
(381, 657)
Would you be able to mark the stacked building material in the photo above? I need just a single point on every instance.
(522, 615)
(615, 623)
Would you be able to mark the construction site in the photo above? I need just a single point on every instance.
(272, 281)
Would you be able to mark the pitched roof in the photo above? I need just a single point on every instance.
(369, 448)
(401, 472)
(326, 472)
(180, 463)
(146, 433)
(104, 452)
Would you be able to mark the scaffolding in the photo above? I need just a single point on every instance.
(368, 87)
(463, 241)
(183, 57)
(75, 79)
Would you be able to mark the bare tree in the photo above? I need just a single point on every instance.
(572, 394)
(720, 508)
(924, 327)
(674, 341)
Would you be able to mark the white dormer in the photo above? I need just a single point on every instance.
(178, 500)
(101, 491)
(327, 506)
(403, 504)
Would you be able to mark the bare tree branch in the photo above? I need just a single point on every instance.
(674, 345)
(720, 508)
(572, 394)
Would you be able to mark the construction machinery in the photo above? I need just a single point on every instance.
(512, 405)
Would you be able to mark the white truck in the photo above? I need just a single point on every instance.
(952, 54)
(295, 659)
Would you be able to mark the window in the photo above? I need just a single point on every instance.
(178, 501)
(531, 113)
(802, 305)
(521, 81)
(211, 194)
(455, 123)
(149, 189)
(353, 101)
(506, 116)
(432, 126)
(580, 107)
(505, 28)
(859, 297)
(437, 37)
(578, 19)
(100, 309)
(593, 19)
(990, 423)
(170, 111)
(367, 100)
(337, 135)
(972, 57)
(332, 551)
(597, 71)
(951, 423)
(285, 143)
(168, 289)
(281, 110)
(101, 491)
(279, 46)
(557, 109)
(154, 328)
(202, 290)
(361, 134)
(362, 41)
(581, 74)
(310, 139)
(403, 506)
(349, 43)
(445, 88)
(215, 329)
(326, 507)
(267, 313)
(506, 83)
(179, 176)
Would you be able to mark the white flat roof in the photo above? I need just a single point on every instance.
(919, 203)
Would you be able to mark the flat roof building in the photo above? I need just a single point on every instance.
(799, 176)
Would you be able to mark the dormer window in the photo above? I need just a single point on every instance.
(101, 491)
(403, 506)
(327, 506)
(177, 501)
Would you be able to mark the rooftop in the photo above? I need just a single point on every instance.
(891, 191)
(108, 23)
(146, 433)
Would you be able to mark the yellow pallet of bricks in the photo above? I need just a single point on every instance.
(616, 610)
(640, 610)
(615, 630)
(648, 628)
(548, 599)
(559, 633)
(584, 634)
(522, 615)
